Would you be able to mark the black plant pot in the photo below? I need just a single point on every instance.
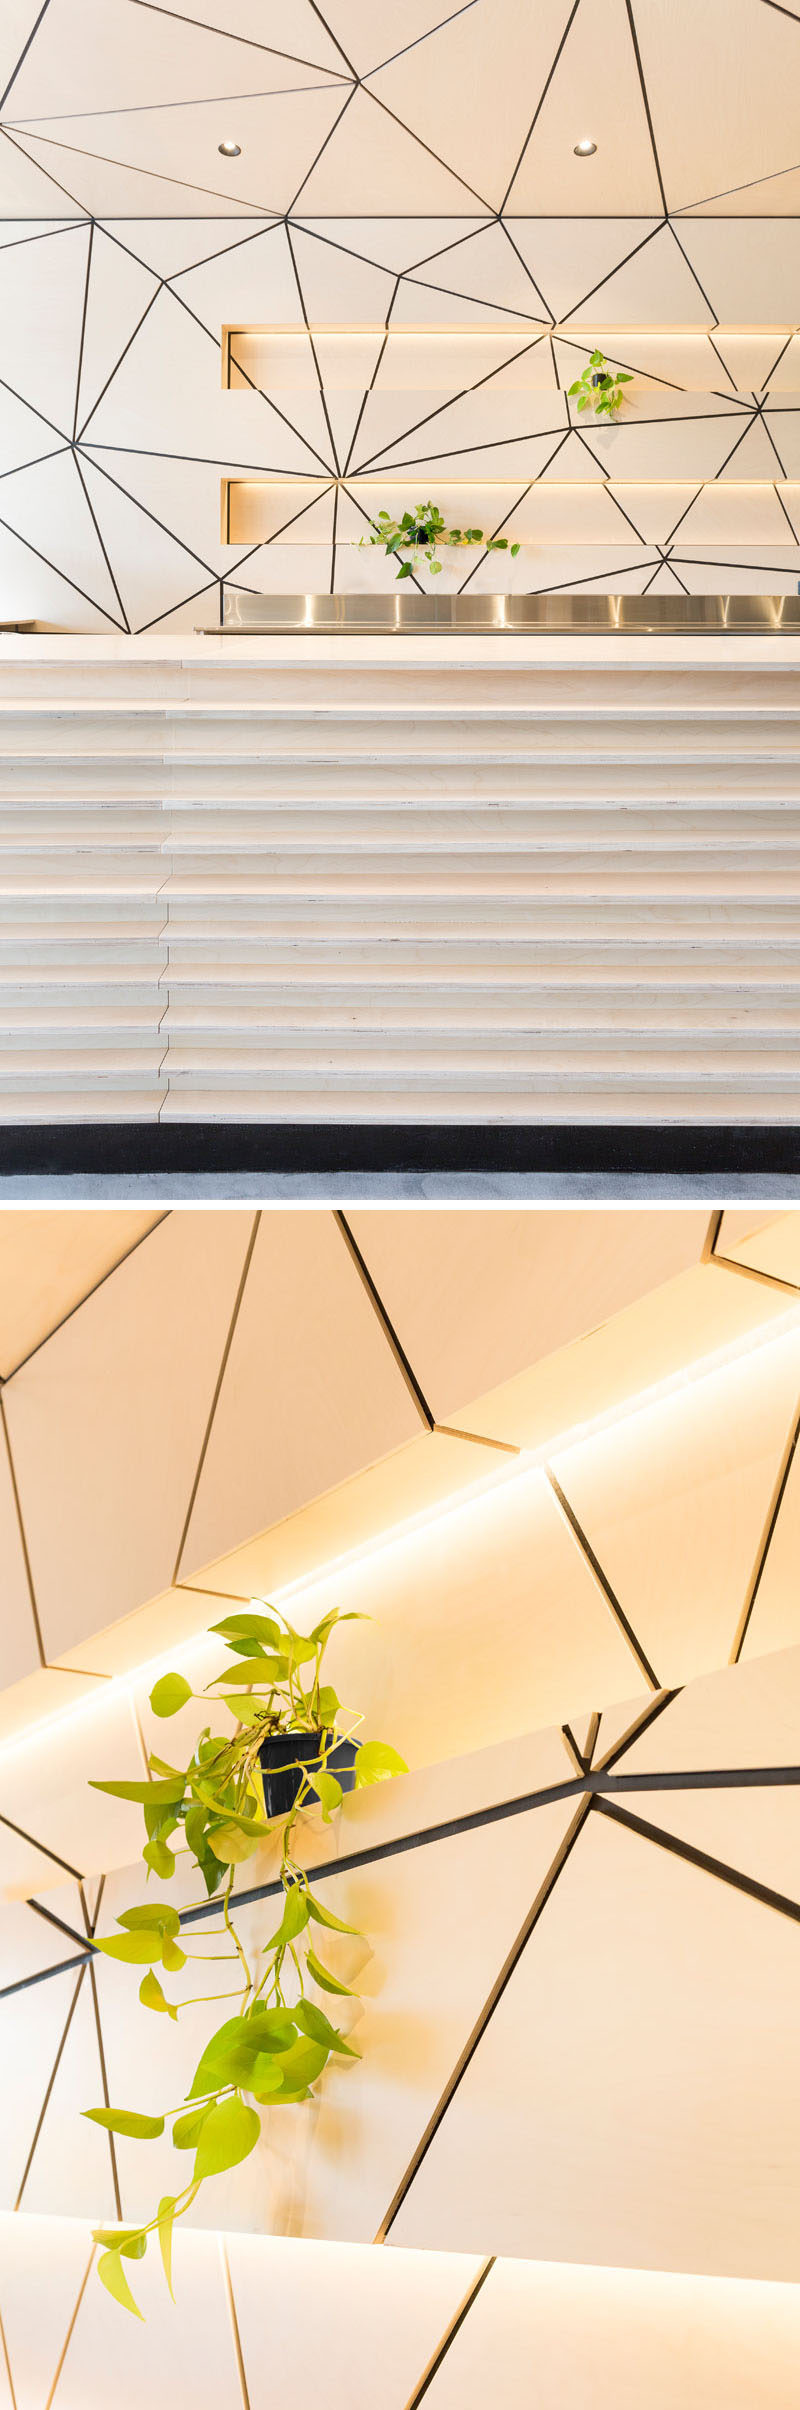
(421, 535)
(283, 1757)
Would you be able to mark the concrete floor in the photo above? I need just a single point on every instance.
(389, 1188)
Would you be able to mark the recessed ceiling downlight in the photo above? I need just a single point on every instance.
(230, 150)
(585, 149)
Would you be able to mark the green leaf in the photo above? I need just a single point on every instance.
(299, 1650)
(230, 2133)
(186, 2130)
(328, 1704)
(329, 1794)
(160, 1859)
(166, 2213)
(377, 1762)
(325, 1979)
(247, 1709)
(295, 1916)
(169, 1694)
(249, 1627)
(265, 2078)
(152, 1996)
(313, 2021)
(132, 2245)
(300, 2068)
(515, 548)
(112, 2274)
(145, 1794)
(127, 2121)
(136, 1949)
(263, 1670)
(322, 1631)
(234, 1842)
(404, 570)
(117, 2238)
(174, 1957)
(153, 1918)
(324, 1916)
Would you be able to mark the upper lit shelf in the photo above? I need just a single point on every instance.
(700, 359)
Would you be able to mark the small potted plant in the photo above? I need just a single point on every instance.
(415, 536)
(599, 388)
(293, 1747)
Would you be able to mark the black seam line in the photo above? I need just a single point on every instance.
(549, 313)
(64, 440)
(515, 505)
(42, 1847)
(649, 237)
(77, 150)
(323, 147)
(598, 1781)
(270, 225)
(23, 1540)
(793, 530)
(771, 1280)
(242, 1283)
(716, 350)
(650, 127)
(690, 505)
(270, 405)
(333, 537)
(46, 172)
(156, 108)
(453, 452)
(70, 2329)
(449, 2335)
(765, 1542)
(635, 1730)
(83, 328)
(334, 38)
(595, 577)
(427, 147)
(91, 599)
(670, 384)
(387, 1326)
(51, 2080)
(24, 52)
(245, 41)
(410, 271)
(328, 485)
(123, 356)
(234, 2321)
(575, 1755)
(539, 106)
(701, 200)
(421, 37)
(693, 272)
(320, 380)
(144, 1235)
(7, 2365)
(700, 1857)
(178, 541)
(451, 401)
(51, 1919)
(76, 226)
(155, 622)
(713, 1229)
(478, 1439)
(776, 363)
(492, 2001)
(104, 2081)
(618, 1612)
(371, 386)
(592, 1731)
(99, 534)
(451, 293)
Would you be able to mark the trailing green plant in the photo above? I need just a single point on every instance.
(599, 387)
(418, 533)
(275, 2046)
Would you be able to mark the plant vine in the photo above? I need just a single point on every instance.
(417, 534)
(279, 2041)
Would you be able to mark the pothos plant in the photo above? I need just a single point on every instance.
(292, 1748)
(415, 537)
(599, 388)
